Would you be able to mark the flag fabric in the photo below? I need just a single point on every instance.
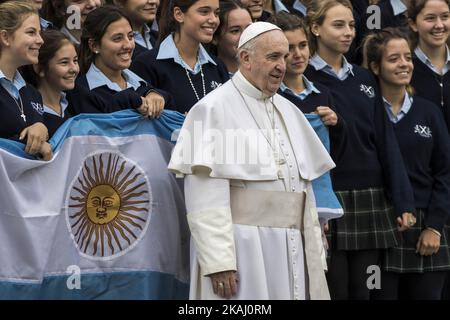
(104, 219)
(328, 206)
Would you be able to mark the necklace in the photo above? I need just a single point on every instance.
(278, 160)
(190, 80)
(20, 106)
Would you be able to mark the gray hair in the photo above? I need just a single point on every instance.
(249, 46)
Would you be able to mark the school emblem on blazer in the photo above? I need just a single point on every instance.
(108, 206)
(215, 84)
(38, 107)
(368, 90)
(423, 131)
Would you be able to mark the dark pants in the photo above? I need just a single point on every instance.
(347, 273)
(411, 286)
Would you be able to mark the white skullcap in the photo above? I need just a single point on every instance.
(255, 29)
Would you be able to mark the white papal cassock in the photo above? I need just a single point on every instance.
(248, 194)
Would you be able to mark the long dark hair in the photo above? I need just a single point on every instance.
(53, 41)
(167, 22)
(94, 28)
(226, 6)
(54, 11)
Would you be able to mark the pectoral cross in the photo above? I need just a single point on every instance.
(24, 117)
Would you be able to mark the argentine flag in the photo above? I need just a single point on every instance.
(104, 219)
(328, 206)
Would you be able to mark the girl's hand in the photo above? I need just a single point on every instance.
(36, 135)
(327, 115)
(46, 151)
(428, 243)
(155, 103)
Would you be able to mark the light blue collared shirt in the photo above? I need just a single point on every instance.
(398, 7)
(143, 40)
(13, 87)
(423, 57)
(406, 106)
(300, 7)
(319, 64)
(279, 6)
(64, 104)
(96, 78)
(168, 50)
(309, 88)
(45, 24)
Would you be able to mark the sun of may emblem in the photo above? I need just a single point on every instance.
(108, 206)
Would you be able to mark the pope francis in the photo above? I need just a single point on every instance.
(248, 157)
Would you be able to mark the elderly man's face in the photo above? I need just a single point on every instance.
(266, 66)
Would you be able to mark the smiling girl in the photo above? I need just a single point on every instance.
(55, 75)
(180, 64)
(20, 104)
(430, 22)
(107, 45)
(256, 8)
(417, 265)
(371, 181)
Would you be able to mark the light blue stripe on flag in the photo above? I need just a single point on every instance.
(327, 203)
(105, 204)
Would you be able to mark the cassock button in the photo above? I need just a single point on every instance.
(293, 188)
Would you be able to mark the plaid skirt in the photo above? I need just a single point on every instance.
(368, 222)
(404, 259)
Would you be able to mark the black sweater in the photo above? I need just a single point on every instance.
(372, 157)
(11, 123)
(338, 133)
(115, 101)
(425, 146)
(433, 87)
(171, 77)
(81, 100)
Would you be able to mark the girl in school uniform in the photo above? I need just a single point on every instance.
(107, 45)
(20, 104)
(430, 24)
(370, 181)
(69, 15)
(54, 76)
(307, 96)
(417, 266)
(180, 64)
(429, 21)
(142, 14)
(234, 18)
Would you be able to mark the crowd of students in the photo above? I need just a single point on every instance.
(384, 94)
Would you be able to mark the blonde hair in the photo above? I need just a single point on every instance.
(13, 13)
(317, 11)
